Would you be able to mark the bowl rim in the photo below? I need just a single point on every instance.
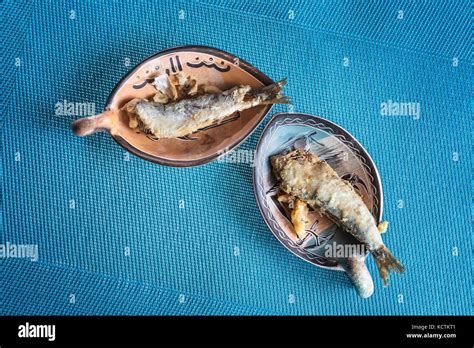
(370, 163)
(189, 48)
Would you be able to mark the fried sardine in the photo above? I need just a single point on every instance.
(183, 117)
(305, 176)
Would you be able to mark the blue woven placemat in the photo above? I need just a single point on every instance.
(119, 235)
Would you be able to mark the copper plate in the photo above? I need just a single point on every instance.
(209, 66)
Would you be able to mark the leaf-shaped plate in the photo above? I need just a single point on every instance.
(209, 66)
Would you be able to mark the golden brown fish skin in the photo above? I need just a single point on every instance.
(186, 116)
(309, 178)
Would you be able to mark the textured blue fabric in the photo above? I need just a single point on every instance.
(197, 242)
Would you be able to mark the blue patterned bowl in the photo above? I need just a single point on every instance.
(288, 131)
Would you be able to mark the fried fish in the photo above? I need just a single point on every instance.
(306, 177)
(183, 117)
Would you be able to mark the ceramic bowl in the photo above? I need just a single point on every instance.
(209, 66)
(288, 131)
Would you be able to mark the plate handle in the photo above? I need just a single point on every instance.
(88, 125)
(359, 274)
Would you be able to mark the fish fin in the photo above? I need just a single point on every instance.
(383, 226)
(385, 262)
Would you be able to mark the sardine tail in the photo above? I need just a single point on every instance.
(276, 87)
(270, 94)
(277, 100)
(385, 262)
